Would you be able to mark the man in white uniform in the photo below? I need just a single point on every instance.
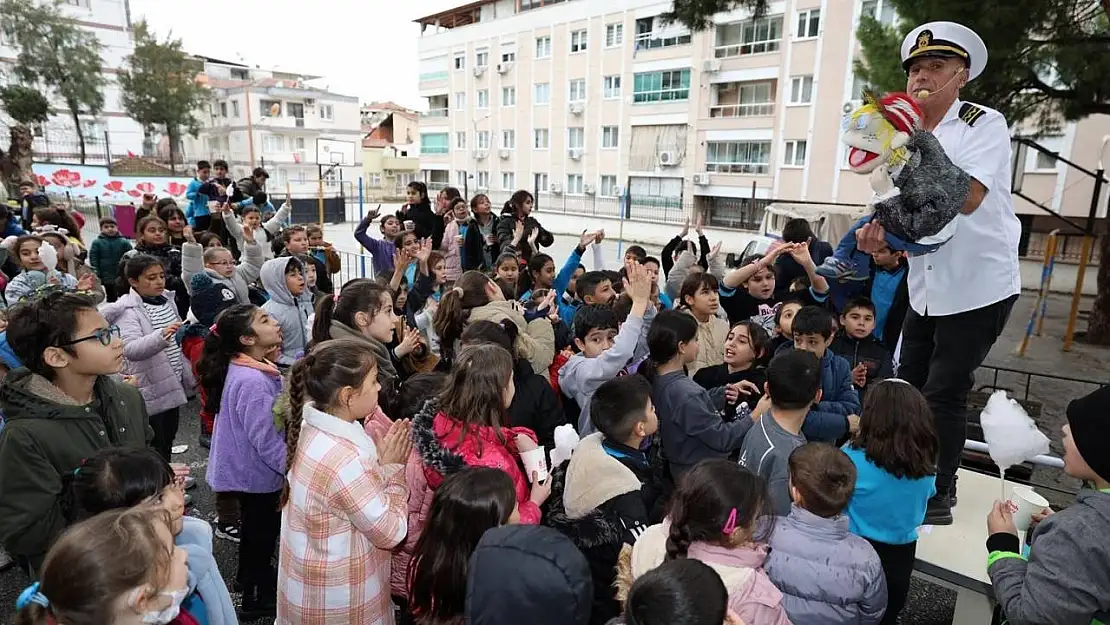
(960, 295)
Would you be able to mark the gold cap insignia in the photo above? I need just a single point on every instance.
(924, 39)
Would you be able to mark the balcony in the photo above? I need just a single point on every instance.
(751, 37)
(401, 163)
(436, 113)
(755, 109)
(742, 99)
(653, 34)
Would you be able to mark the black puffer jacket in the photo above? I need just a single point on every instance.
(507, 223)
(535, 404)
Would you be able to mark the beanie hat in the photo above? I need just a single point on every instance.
(1089, 418)
(210, 298)
(901, 111)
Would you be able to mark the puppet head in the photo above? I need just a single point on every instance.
(877, 132)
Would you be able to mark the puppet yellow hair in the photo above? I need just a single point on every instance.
(899, 156)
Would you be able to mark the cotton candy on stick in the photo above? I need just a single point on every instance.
(49, 257)
(1010, 433)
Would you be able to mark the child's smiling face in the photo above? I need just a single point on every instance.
(762, 284)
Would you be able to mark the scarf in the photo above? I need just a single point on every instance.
(338, 428)
(157, 300)
(265, 366)
(340, 330)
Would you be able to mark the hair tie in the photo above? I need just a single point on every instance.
(335, 297)
(459, 290)
(212, 329)
(730, 524)
(31, 595)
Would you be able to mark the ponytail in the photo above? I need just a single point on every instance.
(668, 331)
(321, 325)
(297, 382)
(358, 295)
(220, 346)
(454, 308)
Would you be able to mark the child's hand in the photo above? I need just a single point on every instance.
(535, 234)
(226, 208)
(638, 283)
(743, 387)
(853, 424)
(800, 252)
(400, 259)
(86, 282)
(700, 224)
(685, 229)
(599, 237)
(170, 330)
(396, 444)
(424, 252)
(714, 251)
(408, 343)
(548, 301)
(1042, 515)
(187, 232)
(586, 239)
(518, 232)
(1001, 519)
(373, 214)
(524, 443)
(859, 375)
(540, 490)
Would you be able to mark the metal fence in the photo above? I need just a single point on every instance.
(1069, 247)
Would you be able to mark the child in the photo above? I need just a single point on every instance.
(344, 501)
(219, 264)
(209, 299)
(69, 262)
(197, 211)
(856, 343)
(283, 278)
(691, 425)
(612, 491)
(745, 348)
(321, 250)
(604, 351)
(150, 238)
(784, 326)
(466, 505)
(1064, 578)
(418, 210)
(826, 573)
(539, 273)
(125, 478)
(175, 224)
(148, 322)
(34, 272)
(247, 461)
(699, 297)
(61, 408)
(748, 292)
(381, 250)
(295, 242)
(428, 289)
(507, 268)
(105, 254)
(793, 385)
(679, 592)
(895, 453)
(480, 246)
(251, 215)
(836, 414)
(454, 237)
(117, 567)
(407, 243)
(714, 517)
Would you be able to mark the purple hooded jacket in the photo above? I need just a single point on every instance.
(248, 453)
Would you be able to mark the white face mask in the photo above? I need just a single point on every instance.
(161, 617)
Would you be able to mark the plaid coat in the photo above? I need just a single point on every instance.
(345, 513)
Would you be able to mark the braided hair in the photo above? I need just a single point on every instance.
(704, 501)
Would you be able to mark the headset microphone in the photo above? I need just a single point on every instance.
(925, 93)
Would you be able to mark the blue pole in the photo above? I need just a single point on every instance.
(361, 216)
(620, 233)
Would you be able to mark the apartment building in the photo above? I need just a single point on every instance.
(588, 100)
(112, 129)
(389, 149)
(281, 121)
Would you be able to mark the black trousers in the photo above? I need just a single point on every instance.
(258, 539)
(164, 425)
(202, 222)
(109, 291)
(939, 356)
(898, 563)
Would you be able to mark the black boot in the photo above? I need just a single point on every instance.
(939, 511)
(256, 604)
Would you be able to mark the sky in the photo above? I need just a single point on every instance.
(364, 48)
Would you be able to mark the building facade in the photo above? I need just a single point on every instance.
(390, 149)
(583, 102)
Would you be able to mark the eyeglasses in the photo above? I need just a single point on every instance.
(222, 263)
(104, 335)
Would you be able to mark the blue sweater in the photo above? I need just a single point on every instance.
(198, 202)
(828, 421)
(885, 508)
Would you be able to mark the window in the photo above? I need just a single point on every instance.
(541, 138)
(743, 99)
(578, 41)
(482, 139)
(577, 90)
(576, 138)
(481, 58)
(483, 180)
(376, 181)
(507, 56)
(794, 154)
(483, 98)
(738, 157)
(298, 146)
(508, 96)
(508, 139)
(801, 89)
(651, 33)
(540, 182)
(750, 37)
(665, 86)
(608, 186)
(460, 61)
(434, 143)
(543, 47)
(223, 109)
(235, 109)
(460, 179)
(508, 181)
(327, 112)
(460, 100)
(273, 143)
(1039, 161)
(883, 13)
(574, 183)
(270, 108)
(460, 140)
(614, 35)
(542, 93)
(611, 87)
(859, 85)
(809, 23)
(610, 137)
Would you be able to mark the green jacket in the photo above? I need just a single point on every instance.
(105, 255)
(46, 437)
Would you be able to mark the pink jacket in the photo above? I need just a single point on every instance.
(452, 257)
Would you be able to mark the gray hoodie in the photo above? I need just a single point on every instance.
(246, 272)
(1066, 580)
(290, 312)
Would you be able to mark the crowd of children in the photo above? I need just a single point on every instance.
(482, 433)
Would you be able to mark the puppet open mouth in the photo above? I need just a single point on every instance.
(858, 158)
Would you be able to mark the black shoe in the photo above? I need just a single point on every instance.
(255, 607)
(205, 440)
(938, 512)
(952, 491)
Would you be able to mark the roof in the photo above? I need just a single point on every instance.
(209, 59)
(388, 106)
(458, 16)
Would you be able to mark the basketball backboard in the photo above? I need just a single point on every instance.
(335, 152)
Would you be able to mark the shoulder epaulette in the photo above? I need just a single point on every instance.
(969, 113)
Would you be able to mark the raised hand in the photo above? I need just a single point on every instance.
(395, 445)
(535, 234)
(400, 259)
(700, 224)
(187, 232)
(714, 251)
(518, 232)
(800, 252)
(548, 300)
(599, 237)
(685, 229)
(424, 252)
(408, 343)
(586, 239)
(638, 282)
(248, 233)
(86, 282)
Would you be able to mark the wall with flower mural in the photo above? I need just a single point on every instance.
(89, 181)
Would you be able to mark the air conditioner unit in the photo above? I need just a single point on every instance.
(701, 179)
(588, 189)
(556, 188)
(577, 108)
(618, 191)
(711, 65)
(504, 154)
(479, 70)
(504, 67)
(388, 173)
(480, 154)
(310, 102)
(847, 108)
(667, 158)
(574, 153)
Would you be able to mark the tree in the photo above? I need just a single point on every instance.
(58, 54)
(159, 87)
(25, 106)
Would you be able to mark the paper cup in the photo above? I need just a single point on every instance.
(1027, 501)
(535, 461)
(410, 225)
(212, 206)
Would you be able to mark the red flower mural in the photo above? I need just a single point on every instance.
(88, 183)
(175, 189)
(134, 193)
(114, 186)
(145, 187)
(66, 178)
(42, 180)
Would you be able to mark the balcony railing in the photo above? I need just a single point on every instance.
(752, 109)
(430, 76)
(742, 49)
(650, 41)
(436, 112)
(737, 168)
